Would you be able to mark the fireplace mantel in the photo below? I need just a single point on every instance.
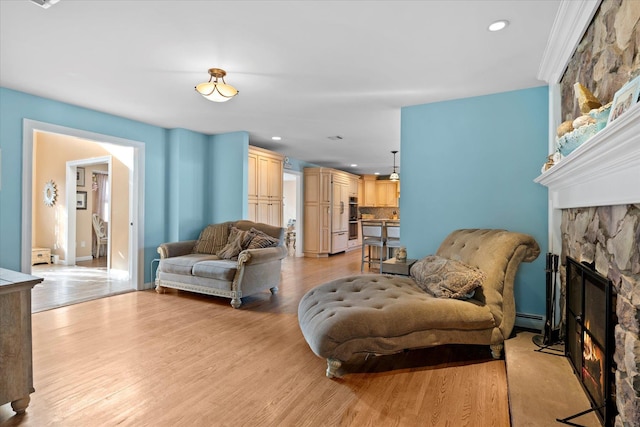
(603, 171)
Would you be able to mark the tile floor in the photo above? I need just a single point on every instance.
(65, 285)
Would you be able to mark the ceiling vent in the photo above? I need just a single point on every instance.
(335, 138)
(45, 4)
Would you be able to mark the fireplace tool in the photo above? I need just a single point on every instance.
(551, 335)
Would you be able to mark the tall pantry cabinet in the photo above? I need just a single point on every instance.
(326, 210)
(265, 186)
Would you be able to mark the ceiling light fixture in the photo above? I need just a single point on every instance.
(217, 90)
(45, 4)
(499, 25)
(394, 175)
(276, 138)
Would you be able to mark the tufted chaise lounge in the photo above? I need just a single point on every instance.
(382, 314)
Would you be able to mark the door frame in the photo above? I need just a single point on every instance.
(136, 193)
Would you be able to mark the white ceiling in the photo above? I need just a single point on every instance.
(306, 70)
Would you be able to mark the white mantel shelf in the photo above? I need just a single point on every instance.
(603, 171)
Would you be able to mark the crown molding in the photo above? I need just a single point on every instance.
(569, 26)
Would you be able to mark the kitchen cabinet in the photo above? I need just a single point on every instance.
(340, 185)
(379, 192)
(353, 186)
(386, 193)
(326, 211)
(369, 190)
(265, 186)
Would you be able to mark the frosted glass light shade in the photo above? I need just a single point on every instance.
(216, 90)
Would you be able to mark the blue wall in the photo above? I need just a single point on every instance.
(179, 165)
(470, 163)
(229, 178)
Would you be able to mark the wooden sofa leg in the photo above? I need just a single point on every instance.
(496, 350)
(274, 290)
(333, 367)
(236, 302)
(160, 289)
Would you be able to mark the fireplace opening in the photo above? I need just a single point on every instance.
(589, 339)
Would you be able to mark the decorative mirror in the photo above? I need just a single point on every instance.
(50, 193)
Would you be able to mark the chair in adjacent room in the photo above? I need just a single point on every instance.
(392, 238)
(101, 233)
(372, 236)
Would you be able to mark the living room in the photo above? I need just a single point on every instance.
(491, 186)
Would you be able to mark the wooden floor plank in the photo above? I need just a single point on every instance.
(181, 359)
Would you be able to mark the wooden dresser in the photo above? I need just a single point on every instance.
(16, 373)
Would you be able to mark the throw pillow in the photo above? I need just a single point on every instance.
(213, 238)
(446, 278)
(262, 240)
(237, 242)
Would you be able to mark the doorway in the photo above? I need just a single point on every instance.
(133, 213)
(292, 207)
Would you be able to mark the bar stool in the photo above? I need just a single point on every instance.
(393, 237)
(372, 236)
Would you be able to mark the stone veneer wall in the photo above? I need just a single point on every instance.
(607, 57)
(610, 237)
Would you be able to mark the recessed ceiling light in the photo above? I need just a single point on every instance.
(499, 25)
(276, 138)
(376, 173)
(353, 165)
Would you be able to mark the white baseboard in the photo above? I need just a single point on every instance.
(84, 258)
(530, 321)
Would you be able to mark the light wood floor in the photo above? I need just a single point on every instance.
(180, 359)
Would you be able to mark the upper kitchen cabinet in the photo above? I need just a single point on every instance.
(368, 191)
(379, 192)
(386, 193)
(353, 185)
(265, 186)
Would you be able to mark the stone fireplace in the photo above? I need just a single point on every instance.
(609, 237)
(594, 193)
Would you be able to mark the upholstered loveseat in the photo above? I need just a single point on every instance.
(382, 314)
(231, 259)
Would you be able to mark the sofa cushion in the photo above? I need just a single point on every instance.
(262, 240)
(446, 278)
(213, 238)
(271, 230)
(183, 264)
(237, 242)
(221, 269)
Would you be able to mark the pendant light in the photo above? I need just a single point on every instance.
(216, 90)
(394, 175)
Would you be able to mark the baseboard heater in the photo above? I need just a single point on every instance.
(530, 321)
